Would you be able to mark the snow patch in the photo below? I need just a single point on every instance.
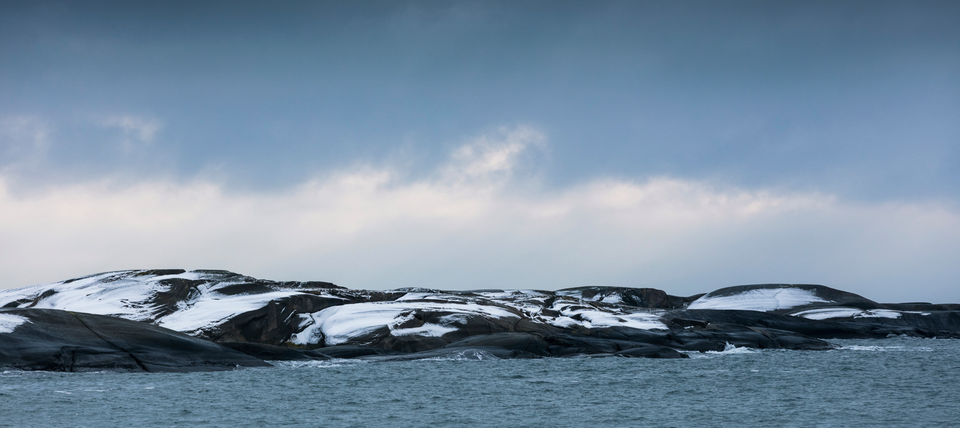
(427, 330)
(121, 293)
(511, 295)
(128, 294)
(338, 324)
(613, 299)
(213, 308)
(827, 313)
(763, 300)
(589, 317)
(830, 313)
(9, 322)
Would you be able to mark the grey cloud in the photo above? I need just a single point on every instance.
(135, 130)
(857, 98)
(24, 142)
(366, 227)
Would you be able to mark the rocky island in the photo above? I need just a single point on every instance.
(176, 320)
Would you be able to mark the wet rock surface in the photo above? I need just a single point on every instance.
(56, 340)
(273, 320)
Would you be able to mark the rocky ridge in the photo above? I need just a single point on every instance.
(274, 320)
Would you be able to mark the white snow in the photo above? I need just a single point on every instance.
(427, 330)
(126, 294)
(827, 313)
(762, 299)
(841, 312)
(613, 298)
(879, 313)
(339, 324)
(512, 295)
(9, 322)
(596, 318)
(214, 308)
(123, 297)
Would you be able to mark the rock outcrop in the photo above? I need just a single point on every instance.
(318, 320)
(57, 340)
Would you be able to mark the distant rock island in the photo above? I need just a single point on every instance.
(176, 320)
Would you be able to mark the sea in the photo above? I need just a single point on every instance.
(897, 381)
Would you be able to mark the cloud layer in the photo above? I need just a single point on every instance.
(476, 223)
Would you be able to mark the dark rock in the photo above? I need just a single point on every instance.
(410, 343)
(309, 285)
(938, 323)
(456, 353)
(275, 353)
(223, 273)
(166, 302)
(354, 351)
(922, 306)
(651, 351)
(159, 272)
(523, 342)
(803, 343)
(584, 321)
(271, 324)
(640, 297)
(58, 340)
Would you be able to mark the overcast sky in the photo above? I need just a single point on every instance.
(685, 146)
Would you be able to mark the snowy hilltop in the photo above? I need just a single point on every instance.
(307, 320)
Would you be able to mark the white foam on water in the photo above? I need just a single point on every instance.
(761, 299)
(875, 348)
(465, 355)
(730, 349)
(336, 362)
(10, 322)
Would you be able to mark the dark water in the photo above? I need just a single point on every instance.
(891, 382)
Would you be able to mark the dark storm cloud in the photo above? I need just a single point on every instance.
(680, 145)
(860, 98)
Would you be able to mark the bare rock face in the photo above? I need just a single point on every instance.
(650, 298)
(310, 320)
(56, 340)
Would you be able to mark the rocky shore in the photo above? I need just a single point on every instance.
(175, 320)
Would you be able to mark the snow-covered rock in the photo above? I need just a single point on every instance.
(231, 308)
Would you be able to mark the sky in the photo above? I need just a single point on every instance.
(685, 146)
